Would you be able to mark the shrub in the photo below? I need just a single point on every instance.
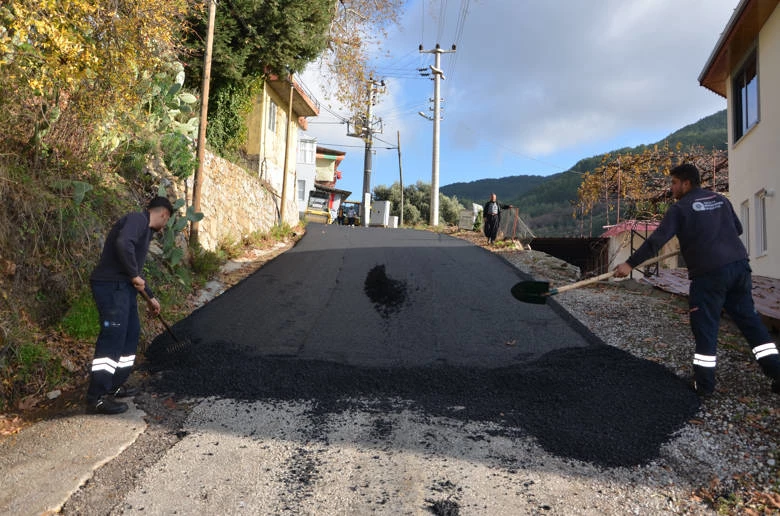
(207, 263)
(81, 320)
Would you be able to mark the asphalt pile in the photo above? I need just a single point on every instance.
(596, 404)
(387, 294)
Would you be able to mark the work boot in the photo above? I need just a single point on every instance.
(106, 405)
(699, 389)
(123, 391)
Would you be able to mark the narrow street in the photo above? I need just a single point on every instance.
(391, 371)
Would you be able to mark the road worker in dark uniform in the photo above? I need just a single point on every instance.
(115, 282)
(708, 230)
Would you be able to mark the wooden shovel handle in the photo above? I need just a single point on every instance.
(160, 317)
(608, 275)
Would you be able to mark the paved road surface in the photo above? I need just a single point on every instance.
(440, 300)
(390, 371)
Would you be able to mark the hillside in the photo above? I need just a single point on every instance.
(478, 191)
(546, 201)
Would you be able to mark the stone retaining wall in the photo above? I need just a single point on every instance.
(236, 203)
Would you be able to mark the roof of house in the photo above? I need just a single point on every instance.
(735, 41)
(329, 187)
(304, 103)
(329, 153)
(644, 226)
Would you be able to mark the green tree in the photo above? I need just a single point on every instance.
(253, 38)
(417, 202)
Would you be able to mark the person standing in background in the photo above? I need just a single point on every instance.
(491, 216)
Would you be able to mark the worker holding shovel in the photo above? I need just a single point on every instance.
(116, 281)
(708, 230)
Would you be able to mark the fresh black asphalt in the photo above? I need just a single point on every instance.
(394, 314)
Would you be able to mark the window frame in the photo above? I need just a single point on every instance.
(272, 110)
(744, 118)
(745, 219)
(306, 154)
(762, 233)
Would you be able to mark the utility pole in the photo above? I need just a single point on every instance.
(364, 128)
(282, 209)
(401, 179)
(438, 74)
(368, 140)
(368, 132)
(197, 183)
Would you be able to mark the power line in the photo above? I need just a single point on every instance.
(344, 146)
(462, 15)
(442, 18)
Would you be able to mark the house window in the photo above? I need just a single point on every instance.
(306, 152)
(745, 93)
(761, 224)
(272, 116)
(311, 153)
(301, 190)
(745, 216)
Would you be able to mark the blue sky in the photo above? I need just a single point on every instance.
(534, 86)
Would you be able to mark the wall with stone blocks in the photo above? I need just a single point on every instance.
(236, 203)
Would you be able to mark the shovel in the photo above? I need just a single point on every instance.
(537, 292)
(177, 344)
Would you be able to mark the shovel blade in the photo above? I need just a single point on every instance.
(535, 292)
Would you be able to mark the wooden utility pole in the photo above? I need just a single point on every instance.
(282, 209)
(204, 112)
(401, 179)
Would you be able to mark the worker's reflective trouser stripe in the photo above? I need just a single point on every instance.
(116, 344)
(126, 361)
(764, 350)
(104, 364)
(704, 360)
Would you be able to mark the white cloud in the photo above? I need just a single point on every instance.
(545, 78)
(557, 73)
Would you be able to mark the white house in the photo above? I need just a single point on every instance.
(306, 171)
(744, 68)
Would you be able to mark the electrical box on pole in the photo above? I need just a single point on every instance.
(364, 127)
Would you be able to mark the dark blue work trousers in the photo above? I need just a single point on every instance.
(728, 288)
(119, 331)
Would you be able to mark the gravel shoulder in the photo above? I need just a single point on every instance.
(727, 457)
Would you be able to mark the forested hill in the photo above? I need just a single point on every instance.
(546, 201)
(512, 187)
(709, 132)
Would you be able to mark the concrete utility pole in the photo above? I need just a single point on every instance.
(401, 179)
(197, 182)
(368, 132)
(438, 74)
(364, 128)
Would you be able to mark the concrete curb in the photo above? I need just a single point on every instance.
(44, 464)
